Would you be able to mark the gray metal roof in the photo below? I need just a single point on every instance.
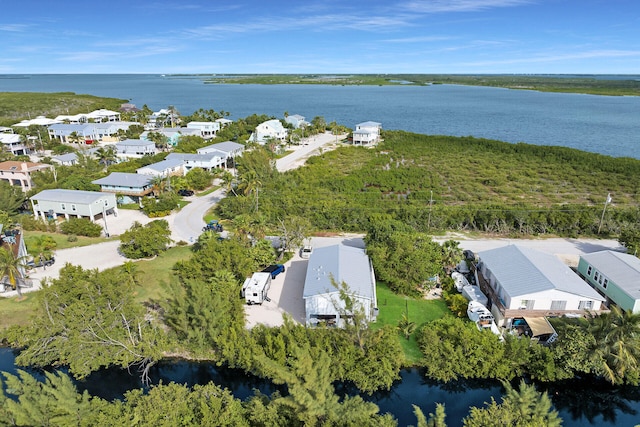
(226, 147)
(163, 165)
(70, 196)
(622, 269)
(135, 143)
(343, 263)
(123, 179)
(69, 157)
(522, 271)
(189, 157)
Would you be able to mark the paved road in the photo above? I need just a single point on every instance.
(309, 147)
(187, 224)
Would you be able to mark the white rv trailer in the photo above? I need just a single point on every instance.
(255, 288)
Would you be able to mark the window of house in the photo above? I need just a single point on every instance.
(585, 305)
(596, 276)
(606, 282)
(106, 203)
(62, 206)
(558, 305)
(589, 271)
(527, 304)
(601, 279)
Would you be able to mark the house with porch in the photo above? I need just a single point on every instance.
(338, 264)
(208, 161)
(12, 143)
(48, 204)
(64, 133)
(229, 150)
(271, 129)
(164, 168)
(367, 133)
(19, 173)
(135, 148)
(297, 121)
(207, 130)
(615, 275)
(524, 282)
(130, 187)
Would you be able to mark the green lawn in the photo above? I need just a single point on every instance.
(17, 312)
(154, 275)
(61, 239)
(420, 311)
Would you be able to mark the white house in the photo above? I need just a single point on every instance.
(522, 282)
(615, 275)
(207, 161)
(164, 168)
(62, 131)
(89, 204)
(135, 148)
(38, 121)
(207, 129)
(296, 120)
(103, 115)
(11, 142)
(342, 264)
(271, 129)
(367, 133)
(68, 159)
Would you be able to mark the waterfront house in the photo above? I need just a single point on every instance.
(223, 122)
(102, 115)
(271, 129)
(521, 282)
(296, 120)
(615, 275)
(135, 148)
(19, 173)
(207, 130)
(38, 121)
(338, 263)
(130, 187)
(48, 204)
(172, 134)
(367, 133)
(164, 168)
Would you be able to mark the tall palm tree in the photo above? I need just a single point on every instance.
(12, 267)
(228, 181)
(159, 185)
(617, 338)
(75, 138)
(106, 155)
(250, 183)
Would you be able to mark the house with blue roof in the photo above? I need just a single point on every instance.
(167, 167)
(332, 265)
(135, 148)
(521, 282)
(130, 187)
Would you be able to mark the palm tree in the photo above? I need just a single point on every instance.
(250, 183)
(106, 155)
(75, 138)
(451, 254)
(12, 267)
(41, 246)
(159, 185)
(161, 140)
(617, 338)
(228, 181)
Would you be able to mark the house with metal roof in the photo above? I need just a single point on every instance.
(68, 159)
(296, 120)
(167, 167)
(62, 131)
(523, 282)
(333, 265)
(271, 129)
(129, 186)
(49, 204)
(135, 148)
(208, 161)
(13, 143)
(207, 129)
(228, 149)
(366, 133)
(615, 275)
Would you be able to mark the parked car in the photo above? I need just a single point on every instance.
(185, 193)
(274, 269)
(306, 252)
(213, 225)
(41, 263)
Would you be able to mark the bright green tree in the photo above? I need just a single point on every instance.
(144, 241)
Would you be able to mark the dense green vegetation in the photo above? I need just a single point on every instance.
(568, 84)
(16, 106)
(434, 183)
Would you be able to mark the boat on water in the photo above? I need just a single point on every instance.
(473, 293)
(483, 318)
(459, 280)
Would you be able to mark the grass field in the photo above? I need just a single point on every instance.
(420, 311)
(62, 242)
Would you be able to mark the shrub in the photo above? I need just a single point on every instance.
(81, 227)
(72, 238)
(145, 241)
(161, 206)
(30, 223)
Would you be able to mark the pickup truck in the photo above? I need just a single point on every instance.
(274, 270)
(41, 263)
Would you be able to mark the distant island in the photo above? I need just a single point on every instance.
(587, 84)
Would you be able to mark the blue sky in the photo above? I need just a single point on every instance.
(320, 36)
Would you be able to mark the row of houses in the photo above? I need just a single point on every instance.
(523, 282)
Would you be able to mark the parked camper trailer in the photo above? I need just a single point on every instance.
(255, 288)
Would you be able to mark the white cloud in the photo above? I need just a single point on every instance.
(14, 28)
(440, 6)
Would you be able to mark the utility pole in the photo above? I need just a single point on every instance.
(430, 205)
(606, 202)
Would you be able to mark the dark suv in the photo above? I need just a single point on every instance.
(185, 193)
(274, 269)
